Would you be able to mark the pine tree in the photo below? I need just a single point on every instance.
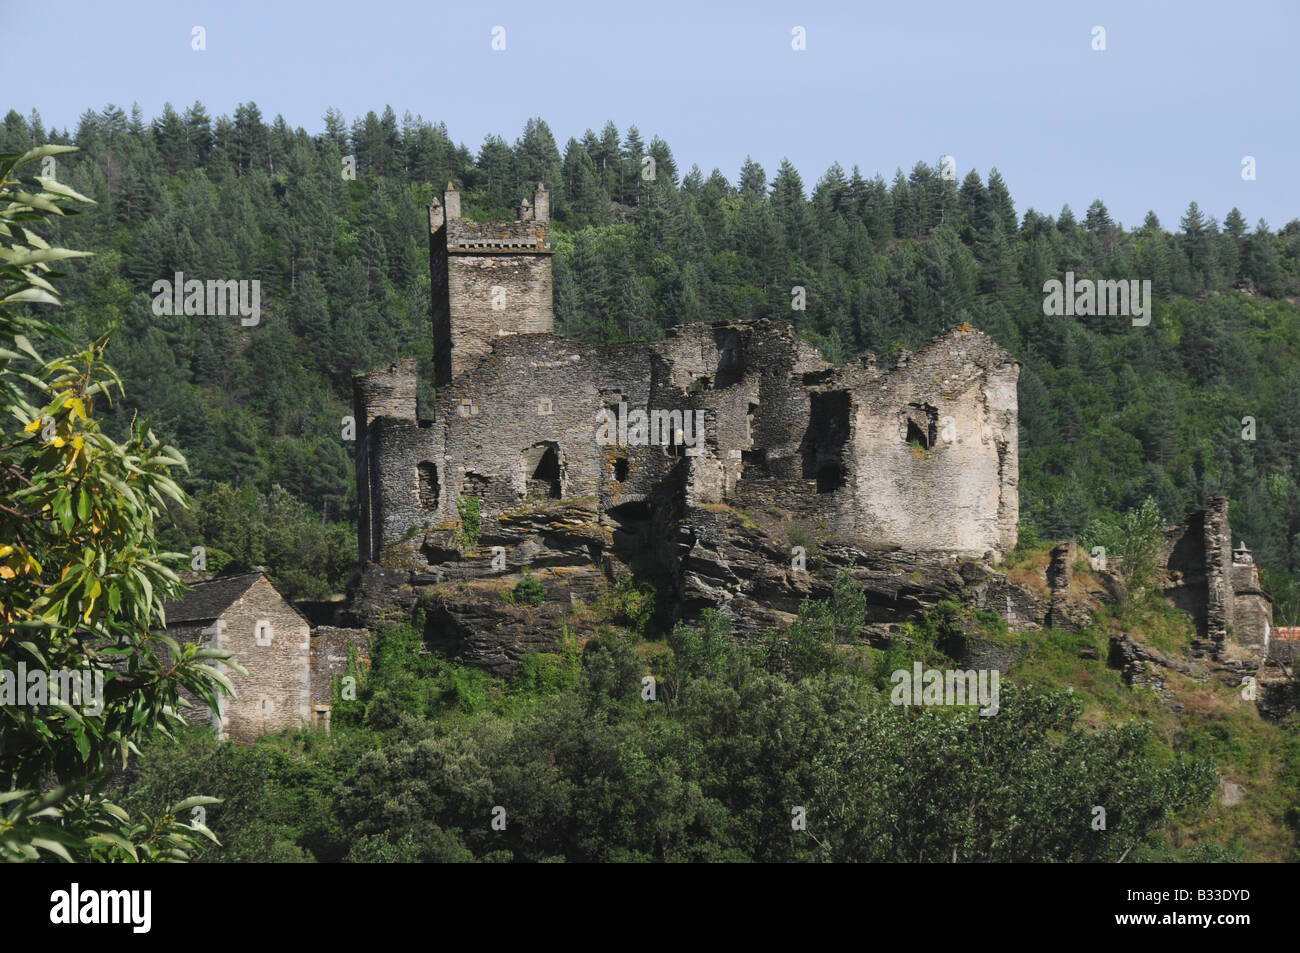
(198, 134)
(1000, 200)
(753, 180)
(1097, 219)
(1235, 224)
(1065, 223)
(609, 162)
(1260, 262)
(538, 160)
(665, 165)
(169, 135)
(973, 204)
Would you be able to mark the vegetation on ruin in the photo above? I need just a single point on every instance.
(470, 509)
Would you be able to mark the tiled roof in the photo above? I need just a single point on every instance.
(207, 600)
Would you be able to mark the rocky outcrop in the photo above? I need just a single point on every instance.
(1142, 664)
(701, 557)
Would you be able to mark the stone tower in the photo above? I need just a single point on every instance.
(488, 280)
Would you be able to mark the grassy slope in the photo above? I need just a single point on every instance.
(1203, 718)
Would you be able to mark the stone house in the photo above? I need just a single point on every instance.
(290, 667)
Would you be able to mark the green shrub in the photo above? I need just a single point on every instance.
(471, 521)
(527, 592)
(1137, 535)
(634, 602)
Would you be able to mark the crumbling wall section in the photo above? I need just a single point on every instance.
(935, 450)
(330, 649)
(1218, 566)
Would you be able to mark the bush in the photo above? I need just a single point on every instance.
(528, 592)
(634, 602)
(1137, 536)
(471, 521)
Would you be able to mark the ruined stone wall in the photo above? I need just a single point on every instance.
(1222, 592)
(405, 471)
(330, 647)
(1218, 565)
(439, 298)
(783, 428)
(1253, 614)
(1252, 609)
(389, 394)
(276, 692)
(534, 394)
(935, 458)
(754, 382)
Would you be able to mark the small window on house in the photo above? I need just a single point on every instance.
(544, 406)
(262, 632)
(268, 706)
(620, 469)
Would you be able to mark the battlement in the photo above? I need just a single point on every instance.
(529, 237)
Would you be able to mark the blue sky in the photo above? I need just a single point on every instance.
(1162, 116)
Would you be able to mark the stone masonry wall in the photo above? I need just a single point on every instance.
(782, 427)
(391, 394)
(1220, 590)
(475, 320)
(1218, 565)
(330, 647)
(487, 279)
(936, 446)
(276, 692)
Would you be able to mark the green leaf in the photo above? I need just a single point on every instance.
(53, 847)
(198, 800)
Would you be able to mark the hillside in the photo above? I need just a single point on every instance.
(789, 713)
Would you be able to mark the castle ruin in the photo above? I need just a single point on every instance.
(921, 456)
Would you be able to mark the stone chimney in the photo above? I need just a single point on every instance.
(451, 199)
(437, 216)
(525, 211)
(541, 204)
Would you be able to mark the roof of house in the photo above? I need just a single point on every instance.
(208, 599)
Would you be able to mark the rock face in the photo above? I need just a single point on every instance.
(708, 557)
